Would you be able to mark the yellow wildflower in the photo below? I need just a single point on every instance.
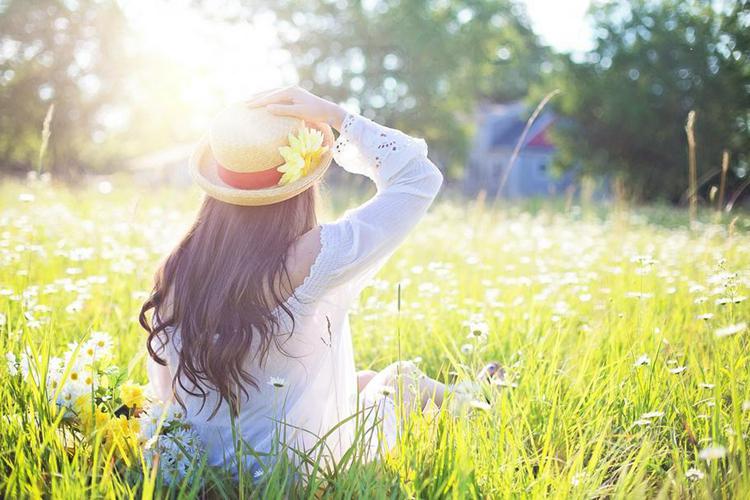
(91, 416)
(132, 395)
(304, 150)
(82, 403)
(121, 437)
(122, 429)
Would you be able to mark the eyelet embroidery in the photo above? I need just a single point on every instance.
(387, 141)
(343, 139)
(348, 122)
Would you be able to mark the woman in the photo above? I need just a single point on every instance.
(250, 329)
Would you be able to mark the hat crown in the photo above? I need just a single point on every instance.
(245, 139)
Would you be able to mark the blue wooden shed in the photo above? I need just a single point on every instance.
(499, 127)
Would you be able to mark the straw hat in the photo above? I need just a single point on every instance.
(236, 161)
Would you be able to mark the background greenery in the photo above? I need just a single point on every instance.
(422, 66)
(629, 99)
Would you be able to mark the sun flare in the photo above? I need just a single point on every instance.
(223, 61)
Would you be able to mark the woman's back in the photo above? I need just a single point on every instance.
(306, 380)
(295, 390)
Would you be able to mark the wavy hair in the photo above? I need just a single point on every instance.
(219, 287)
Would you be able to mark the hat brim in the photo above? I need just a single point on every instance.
(204, 173)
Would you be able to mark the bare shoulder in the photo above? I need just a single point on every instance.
(304, 251)
(302, 255)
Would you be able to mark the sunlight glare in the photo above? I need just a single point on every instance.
(226, 61)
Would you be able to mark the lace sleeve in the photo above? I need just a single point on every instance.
(356, 245)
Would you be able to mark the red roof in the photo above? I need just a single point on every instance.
(541, 139)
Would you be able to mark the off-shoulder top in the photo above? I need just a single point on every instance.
(310, 388)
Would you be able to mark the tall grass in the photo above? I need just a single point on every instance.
(692, 168)
(610, 331)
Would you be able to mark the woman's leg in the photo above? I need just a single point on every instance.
(433, 390)
(410, 384)
(364, 377)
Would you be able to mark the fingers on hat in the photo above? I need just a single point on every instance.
(285, 110)
(271, 97)
(259, 95)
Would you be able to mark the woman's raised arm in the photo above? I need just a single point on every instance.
(352, 248)
(356, 245)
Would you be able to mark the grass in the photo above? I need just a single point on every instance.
(593, 312)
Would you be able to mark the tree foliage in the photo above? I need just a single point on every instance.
(652, 63)
(62, 52)
(419, 65)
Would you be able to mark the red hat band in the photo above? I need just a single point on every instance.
(249, 180)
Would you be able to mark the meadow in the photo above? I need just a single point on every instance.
(623, 332)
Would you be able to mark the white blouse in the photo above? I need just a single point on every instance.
(315, 380)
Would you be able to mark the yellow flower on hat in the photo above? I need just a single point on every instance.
(293, 167)
(303, 151)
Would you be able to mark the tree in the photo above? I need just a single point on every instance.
(653, 62)
(66, 53)
(420, 65)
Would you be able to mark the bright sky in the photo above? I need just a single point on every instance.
(561, 23)
(234, 58)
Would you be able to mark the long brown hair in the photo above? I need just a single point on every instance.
(219, 286)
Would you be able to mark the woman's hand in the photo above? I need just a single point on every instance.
(298, 102)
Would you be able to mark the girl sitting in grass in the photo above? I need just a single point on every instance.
(250, 330)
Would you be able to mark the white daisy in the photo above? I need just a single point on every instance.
(731, 330)
(385, 390)
(276, 382)
(478, 330)
(715, 452)
(694, 474)
(480, 405)
(12, 364)
(643, 360)
(652, 414)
